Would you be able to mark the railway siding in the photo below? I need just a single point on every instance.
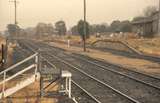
(133, 88)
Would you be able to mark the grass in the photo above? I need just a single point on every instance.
(29, 94)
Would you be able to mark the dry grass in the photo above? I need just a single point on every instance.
(149, 46)
(137, 64)
(30, 94)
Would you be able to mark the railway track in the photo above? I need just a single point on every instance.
(130, 55)
(104, 90)
(80, 94)
(117, 50)
(144, 91)
(138, 76)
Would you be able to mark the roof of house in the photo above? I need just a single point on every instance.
(147, 19)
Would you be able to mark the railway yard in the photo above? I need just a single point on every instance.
(95, 80)
(80, 51)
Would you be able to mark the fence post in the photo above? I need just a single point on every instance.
(69, 87)
(36, 63)
(67, 76)
(4, 81)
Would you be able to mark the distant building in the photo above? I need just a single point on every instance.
(147, 26)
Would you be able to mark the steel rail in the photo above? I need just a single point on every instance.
(119, 66)
(89, 94)
(117, 91)
(114, 71)
(104, 68)
(101, 82)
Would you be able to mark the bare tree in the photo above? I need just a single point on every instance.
(150, 10)
(61, 27)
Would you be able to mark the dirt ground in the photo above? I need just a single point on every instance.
(148, 46)
(30, 94)
(136, 64)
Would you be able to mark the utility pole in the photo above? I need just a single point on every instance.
(15, 11)
(159, 19)
(85, 32)
(15, 5)
(15, 15)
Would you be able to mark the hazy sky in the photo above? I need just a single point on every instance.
(30, 12)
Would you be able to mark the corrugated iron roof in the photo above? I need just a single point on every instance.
(147, 19)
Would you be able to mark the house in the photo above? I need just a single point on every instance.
(147, 26)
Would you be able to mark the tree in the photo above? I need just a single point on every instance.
(83, 30)
(41, 29)
(61, 27)
(31, 31)
(115, 26)
(50, 29)
(138, 18)
(74, 30)
(44, 29)
(125, 26)
(13, 29)
(80, 27)
(150, 10)
(99, 28)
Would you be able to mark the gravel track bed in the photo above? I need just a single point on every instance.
(138, 91)
(81, 96)
(140, 76)
(101, 92)
(132, 88)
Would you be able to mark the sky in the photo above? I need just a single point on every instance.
(31, 12)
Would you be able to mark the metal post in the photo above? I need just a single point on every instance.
(3, 89)
(69, 88)
(159, 19)
(85, 33)
(15, 4)
(66, 84)
(6, 50)
(15, 21)
(2, 55)
(41, 86)
(36, 66)
(41, 75)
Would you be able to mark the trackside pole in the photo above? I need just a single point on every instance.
(67, 76)
(68, 43)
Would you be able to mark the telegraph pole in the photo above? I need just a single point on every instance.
(85, 32)
(159, 20)
(15, 5)
(15, 15)
(15, 11)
